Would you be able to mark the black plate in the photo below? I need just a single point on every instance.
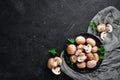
(85, 70)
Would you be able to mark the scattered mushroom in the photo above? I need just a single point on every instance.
(88, 48)
(94, 49)
(51, 63)
(73, 58)
(81, 57)
(80, 40)
(56, 70)
(71, 49)
(101, 27)
(91, 64)
(81, 65)
(103, 35)
(91, 41)
(109, 28)
(90, 56)
(58, 60)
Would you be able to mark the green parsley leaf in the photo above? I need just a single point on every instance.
(71, 40)
(93, 25)
(101, 52)
(69, 62)
(53, 51)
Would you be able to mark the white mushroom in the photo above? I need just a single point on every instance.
(81, 57)
(56, 70)
(103, 35)
(91, 64)
(78, 52)
(88, 48)
(96, 57)
(57, 61)
(109, 28)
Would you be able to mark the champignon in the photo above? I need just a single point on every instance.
(81, 65)
(73, 58)
(91, 64)
(71, 49)
(101, 27)
(56, 70)
(94, 49)
(81, 57)
(78, 52)
(80, 40)
(90, 56)
(50, 63)
(103, 35)
(91, 41)
(109, 28)
(88, 48)
(58, 60)
(80, 47)
(96, 57)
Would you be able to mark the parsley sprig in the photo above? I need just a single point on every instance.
(93, 25)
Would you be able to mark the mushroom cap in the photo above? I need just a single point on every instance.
(101, 27)
(81, 65)
(58, 60)
(80, 47)
(80, 40)
(94, 49)
(71, 49)
(78, 52)
(50, 63)
(91, 64)
(56, 70)
(90, 56)
(81, 57)
(103, 35)
(73, 58)
(88, 48)
(91, 41)
(109, 28)
(96, 57)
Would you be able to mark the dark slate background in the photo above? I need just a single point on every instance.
(28, 28)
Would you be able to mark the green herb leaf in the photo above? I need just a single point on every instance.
(101, 52)
(101, 57)
(71, 40)
(53, 51)
(93, 25)
(68, 61)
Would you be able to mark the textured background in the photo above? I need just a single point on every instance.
(28, 28)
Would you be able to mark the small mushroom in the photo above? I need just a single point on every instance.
(81, 65)
(91, 41)
(90, 56)
(88, 48)
(71, 49)
(103, 35)
(81, 57)
(73, 58)
(91, 64)
(94, 49)
(56, 70)
(109, 28)
(80, 40)
(96, 57)
(80, 47)
(101, 27)
(51, 63)
(78, 52)
(58, 60)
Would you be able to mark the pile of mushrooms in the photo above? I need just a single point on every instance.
(54, 65)
(104, 29)
(84, 54)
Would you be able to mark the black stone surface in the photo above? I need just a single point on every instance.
(28, 28)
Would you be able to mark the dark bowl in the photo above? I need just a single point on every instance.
(85, 70)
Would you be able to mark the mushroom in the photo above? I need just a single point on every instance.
(80, 40)
(51, 63)
(103, 35)
(101, 27)
(91, 41)
(88, 48)
(96, 57)
(71, 49)
(109, 28)
(78, 52)
(81, 57)
(56, 70)
(73, 58)
(90, 56)
(91, 64)
(81, 65)
(94, 49)
(58, 60)
(80, 47)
